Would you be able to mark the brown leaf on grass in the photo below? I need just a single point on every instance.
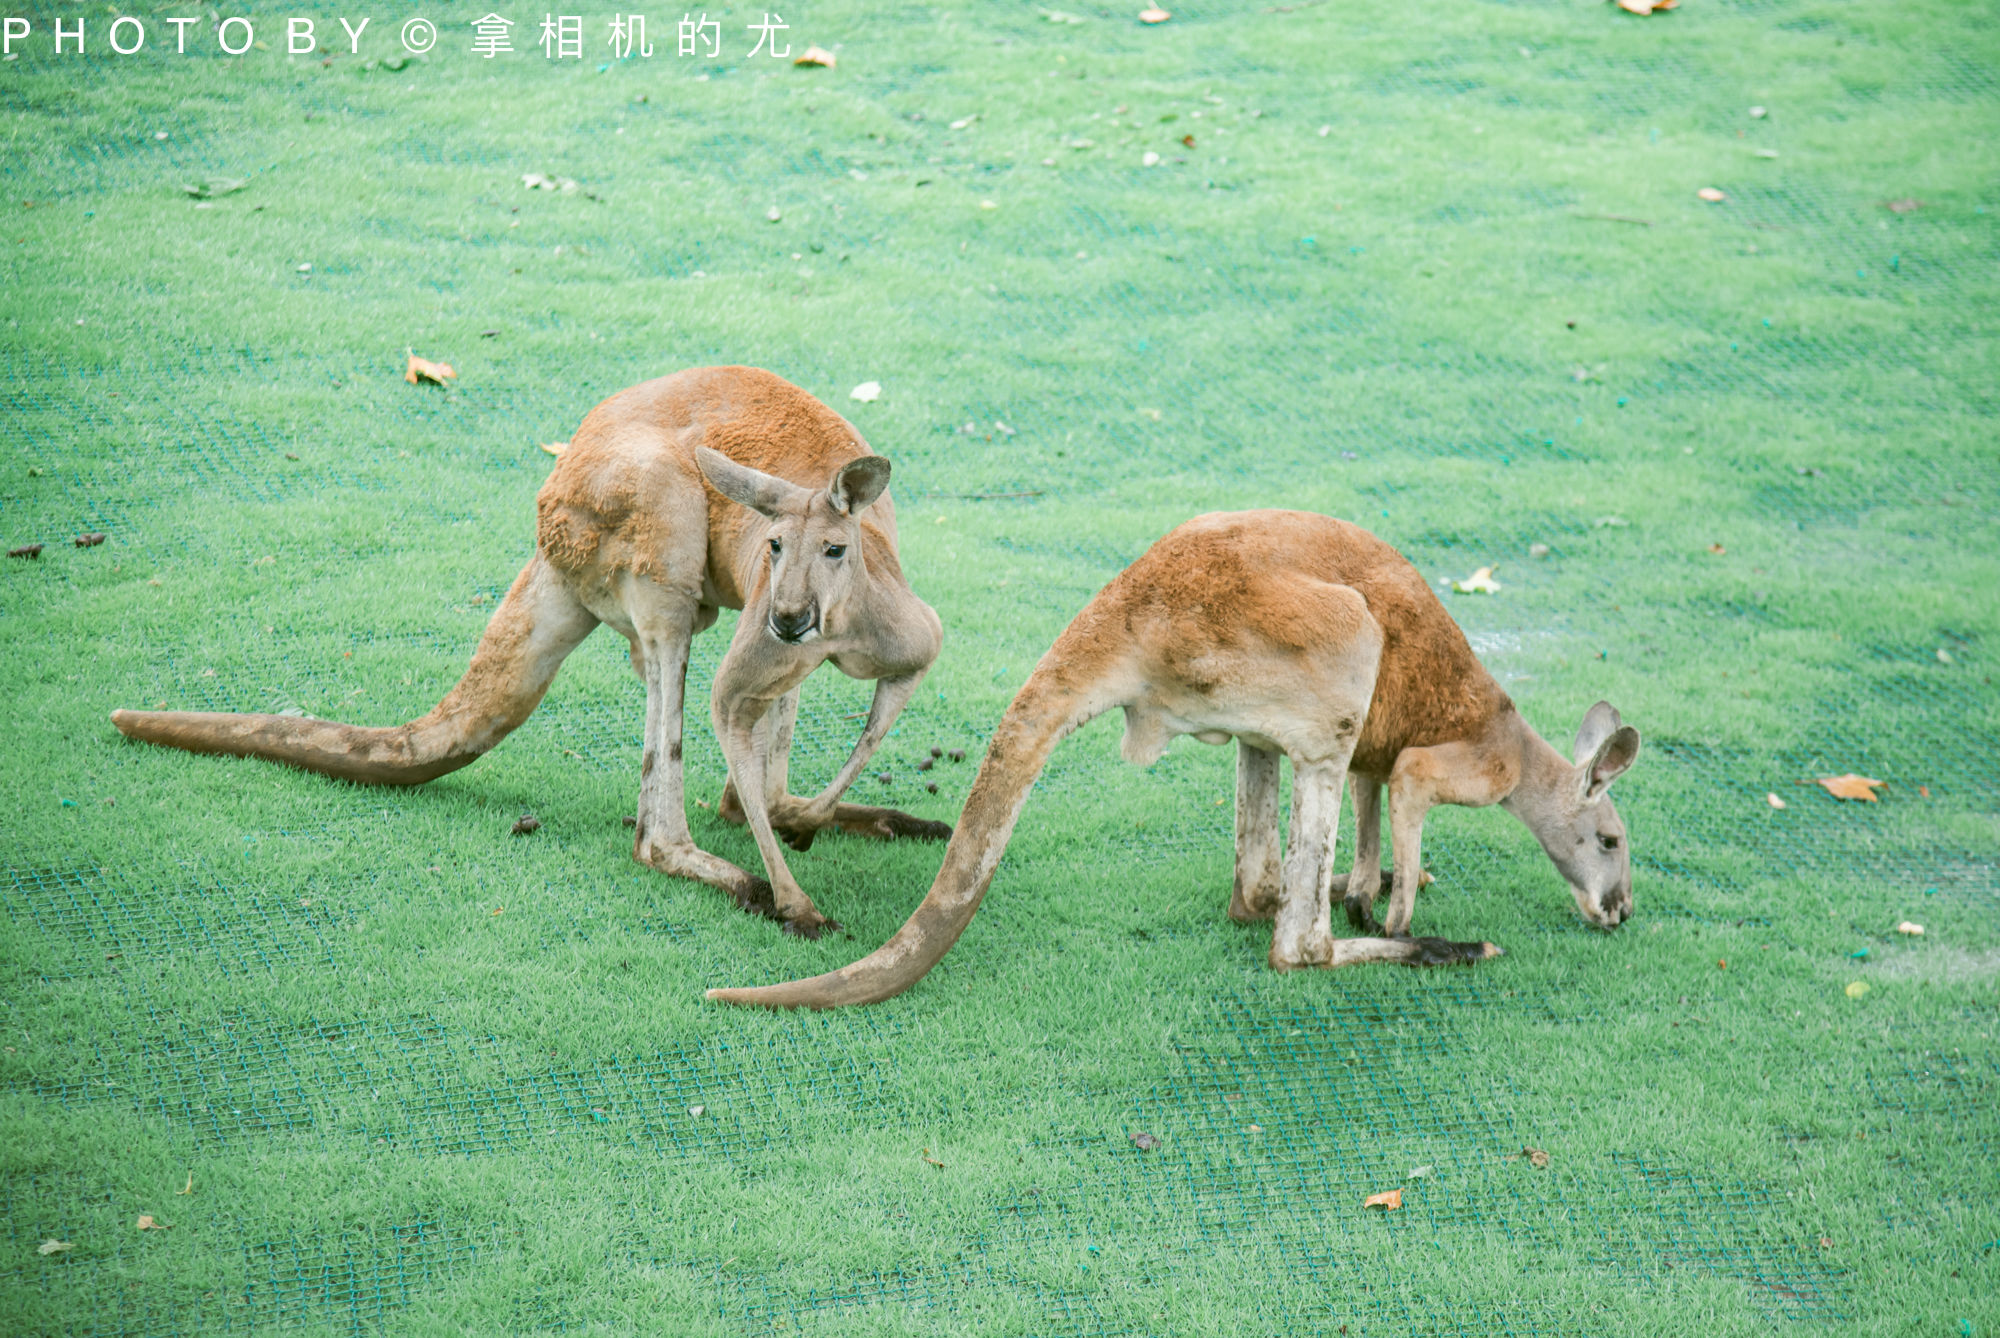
(1774, 801)
(1850, 786)
(1903, 206)
(932, 1160)
(1711, 194)
(819, 56)
(1145, 1142)
(1536, 1158)
(89, 540)
(1717, 549)
(1645, 7)
(26, 551)
(423, 369)
(146, 1223)
(1187, 141)
(526, 823)
(1388, 1200)
(1153, 14)
(54, 1247)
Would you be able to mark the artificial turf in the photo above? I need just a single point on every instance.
(1442, 271)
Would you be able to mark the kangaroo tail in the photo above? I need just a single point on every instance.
(538, 624)
(1074, 683)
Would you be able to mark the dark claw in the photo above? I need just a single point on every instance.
(811, 929)
(1361, 914)
(1445, 952)
(798, 838)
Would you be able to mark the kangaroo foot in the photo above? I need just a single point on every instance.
(1259, 905)
(811, 925)
(1361, 914)
(688, 860)
(1445, 952)
(1341, 880)
(888, 824)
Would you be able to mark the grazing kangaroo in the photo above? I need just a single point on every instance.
(1299, 636)
(794, 526)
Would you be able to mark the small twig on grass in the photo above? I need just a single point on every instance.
(979, 496)
(1617, 218)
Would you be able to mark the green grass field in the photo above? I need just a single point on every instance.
(1439, 270)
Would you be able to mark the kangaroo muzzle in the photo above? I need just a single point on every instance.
(793, 628)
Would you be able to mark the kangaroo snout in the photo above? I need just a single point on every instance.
(792, 628)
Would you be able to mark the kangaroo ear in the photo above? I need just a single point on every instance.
(1612, 759)
(1600, 722)
(753, 488)
(858, 483)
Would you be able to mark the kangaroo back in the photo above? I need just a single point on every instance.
(536, 626)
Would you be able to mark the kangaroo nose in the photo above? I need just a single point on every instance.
(789, 627)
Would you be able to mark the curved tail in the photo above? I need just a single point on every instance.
(536, 626)
(1059, 697)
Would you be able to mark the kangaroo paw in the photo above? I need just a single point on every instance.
(1445, 952)
(1361, 914)
(811, 926)
(798, 838)
(755, 896)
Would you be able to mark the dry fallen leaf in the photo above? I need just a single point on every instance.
(1856, 988)
(423, 369)
(1911, 928)
(1153, 14)
(1480, 582)
(815, 55)
(1145, 1142)
(1536, 1158)
(146, 1223)
(1826, 1242)
(1774, 801)
(1903, 206)
(932, 1160)
(190, 1184)
(1645, 7)
(1711, 194)
(1850, 786)
(1388, 1199)
(1717, 549)
(867, 392)
(54, 1247)
(555, 447)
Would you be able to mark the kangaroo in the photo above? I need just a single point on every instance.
(722, 487)
(1298, 636)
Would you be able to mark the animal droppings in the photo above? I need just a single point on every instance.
(936, 751)
(1145, 1142)
(1536, 1158)
(931, 787)
(89, 540)
(926, 764)
(629, 820)
(26, 551)
(957, 754)
(883, 776)
(526, 823)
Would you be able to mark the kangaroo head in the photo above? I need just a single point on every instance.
(813, 545)
(1578, 825)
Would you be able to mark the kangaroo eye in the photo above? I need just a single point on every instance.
(836, 550)
(776, 548)
(1608, 842)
